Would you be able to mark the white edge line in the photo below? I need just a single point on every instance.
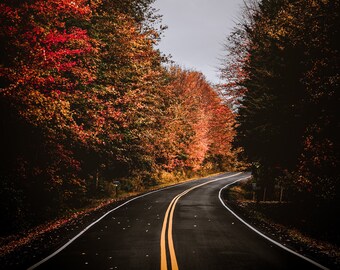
(109, 212)
(258, 232)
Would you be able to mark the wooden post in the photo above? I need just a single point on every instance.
(264, 194)
(281, 194)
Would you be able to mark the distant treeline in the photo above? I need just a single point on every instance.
(86, 100)
(282, 69)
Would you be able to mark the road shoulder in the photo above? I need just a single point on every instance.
(323, 252)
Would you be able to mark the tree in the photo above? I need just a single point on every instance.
(129, 79)
(197, 126)
(45, 60)
(277, 49)
(84, 99)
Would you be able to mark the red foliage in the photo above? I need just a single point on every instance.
(49, 55)
(198, 124)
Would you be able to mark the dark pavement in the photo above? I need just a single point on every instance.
(205, 234)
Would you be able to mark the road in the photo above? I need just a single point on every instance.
(183, 227)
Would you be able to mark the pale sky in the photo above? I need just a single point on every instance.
(197, 31)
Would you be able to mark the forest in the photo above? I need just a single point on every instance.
(282, 70)
(86, 99)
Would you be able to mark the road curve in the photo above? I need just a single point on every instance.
(183, 227)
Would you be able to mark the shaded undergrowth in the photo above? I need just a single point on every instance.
(309, 229)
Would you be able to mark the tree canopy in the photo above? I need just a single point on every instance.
(283, 71)
(85, 99)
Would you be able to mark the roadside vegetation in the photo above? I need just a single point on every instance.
(312, 232)
(281, 73)
(282, 70)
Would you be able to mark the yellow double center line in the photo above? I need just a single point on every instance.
(168, 222)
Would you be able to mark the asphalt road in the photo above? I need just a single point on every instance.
(183, 227)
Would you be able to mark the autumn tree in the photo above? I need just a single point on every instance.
(85, 100)
(315, 34)
(45, 59)
(75, 84)
(129, 80)
(197, 127)
(275, 51)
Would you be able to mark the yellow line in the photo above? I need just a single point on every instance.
(173, 259)
(169, 219)
(164, 265)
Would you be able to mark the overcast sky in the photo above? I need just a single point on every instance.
(197, 30)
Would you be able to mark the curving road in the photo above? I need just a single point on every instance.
(183, 227)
